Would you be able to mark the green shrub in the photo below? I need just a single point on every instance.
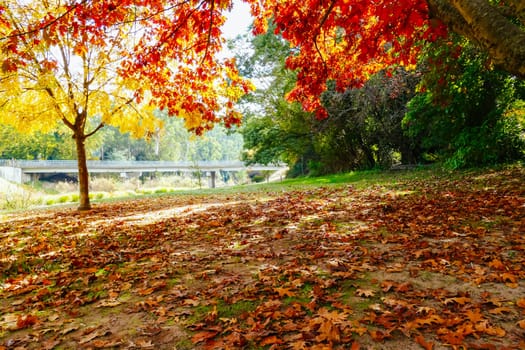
(63, 199)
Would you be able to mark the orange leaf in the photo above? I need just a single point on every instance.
(500, 310)
(366, 293)
(497, 264)
(271, 340)
(421, 341)
(508, 277)
(474, 316)
(203, 336)
(378, 335)
(521, 324)
(144, 292)
(458, 300)
(27, 321)
(284, 292)
(521, 303)
(328, 331)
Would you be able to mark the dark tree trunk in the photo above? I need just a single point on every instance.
(83, 175)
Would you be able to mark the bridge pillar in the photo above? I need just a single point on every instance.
(212, 178)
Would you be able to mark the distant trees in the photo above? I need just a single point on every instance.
(454, 107)
(274, 130)
(54, 145)
(171, 143)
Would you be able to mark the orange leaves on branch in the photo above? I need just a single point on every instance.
(154, 54)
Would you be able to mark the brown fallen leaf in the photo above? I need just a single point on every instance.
(421, 341)
(191, 302)
(26, 321)
(284, 292)
(101, 344)
(48, 344)
(93, 335)
(474, 316)
(521, 324)
(108, 303)
(355, 346)
(457, 300)
(145, 344)
(521, 303)
(365, 293)
(203, 336)
(69, 329)
(500, 310)
(509, 277)
(271, 340)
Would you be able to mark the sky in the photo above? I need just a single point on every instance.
(238, 20)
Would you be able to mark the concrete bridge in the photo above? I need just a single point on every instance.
(21, 171)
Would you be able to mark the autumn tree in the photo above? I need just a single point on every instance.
(348, 41)
(87, 64)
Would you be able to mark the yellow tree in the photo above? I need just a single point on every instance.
(87, 64)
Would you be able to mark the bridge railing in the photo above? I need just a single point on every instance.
(104, 164)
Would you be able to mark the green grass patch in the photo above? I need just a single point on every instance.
(235, 310)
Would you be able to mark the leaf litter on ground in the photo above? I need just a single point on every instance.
(429, 263)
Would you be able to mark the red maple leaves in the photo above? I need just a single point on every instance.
(347, 41)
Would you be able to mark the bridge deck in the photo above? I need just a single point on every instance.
(17, 170)
(70, 166)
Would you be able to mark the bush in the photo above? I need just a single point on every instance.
(102, 184)
(488, 145)
(66, 187)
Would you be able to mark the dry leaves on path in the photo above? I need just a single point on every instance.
(432, 263)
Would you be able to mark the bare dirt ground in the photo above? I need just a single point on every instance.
(432, 263)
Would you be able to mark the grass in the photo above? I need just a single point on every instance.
(358, 179)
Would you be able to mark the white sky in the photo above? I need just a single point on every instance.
(238, 20)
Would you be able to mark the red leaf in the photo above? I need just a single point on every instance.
(27, 321)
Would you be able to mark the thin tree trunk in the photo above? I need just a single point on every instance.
(83, 175)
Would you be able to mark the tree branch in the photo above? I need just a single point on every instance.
(100, 126)
(487, 26)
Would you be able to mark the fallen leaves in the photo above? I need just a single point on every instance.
(306, 269)
(26, 321)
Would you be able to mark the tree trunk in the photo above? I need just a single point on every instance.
(487, 26)
(83, 175)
